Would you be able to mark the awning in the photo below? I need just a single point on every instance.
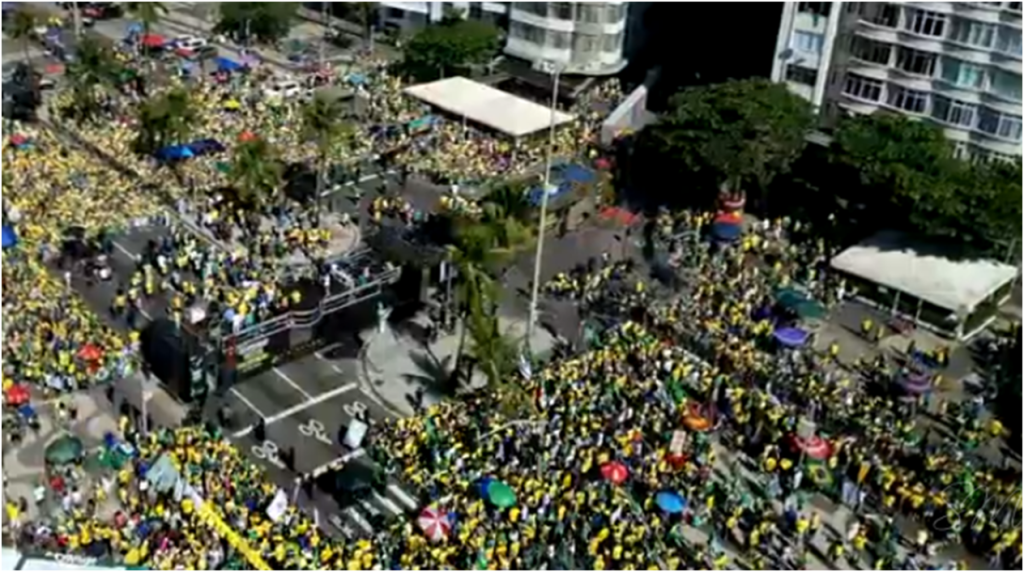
(174, 152)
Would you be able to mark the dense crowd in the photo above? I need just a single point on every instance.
(683, 438)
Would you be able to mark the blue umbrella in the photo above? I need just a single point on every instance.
(482, 485)
(576, 173)
(9, 237)
(670, 502)
(227, 64)
(792, 337)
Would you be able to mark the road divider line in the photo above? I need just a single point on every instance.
(338, 463)
(292, 383)
(126, 252)
(245, 400)
(403, 496)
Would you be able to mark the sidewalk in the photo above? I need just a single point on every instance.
(395, 365)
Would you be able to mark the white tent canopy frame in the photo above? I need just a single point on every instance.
(482, 104)
(895, 261)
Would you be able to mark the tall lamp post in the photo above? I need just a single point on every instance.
(555, 69)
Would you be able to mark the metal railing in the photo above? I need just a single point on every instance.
(309, 318)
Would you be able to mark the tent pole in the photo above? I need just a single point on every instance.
(895, 304)
(917, 314)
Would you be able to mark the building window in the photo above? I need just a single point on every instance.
(528, 32)
(613, 43)
(816, 8)
(962, 74)
(538, 8)
(590, 13)
(999, 124)
(1006, 84)
(926, 23)
(915, 61)
(953, 111)
(616, 12)
(561, 10)
(586, 43)
(1009, 41)
(887, 15)
(907, 99)
(559, 40)
(870, 51)
(863, 87)
(807, 42)
(973, 33)
(395, 14)
(1015, 6)
(801, 75)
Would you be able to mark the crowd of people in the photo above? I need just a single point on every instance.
(683, 438)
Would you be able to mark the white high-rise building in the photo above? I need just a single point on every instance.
(956, 64)
(582, 38)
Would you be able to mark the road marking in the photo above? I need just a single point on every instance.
(402, 496)
(292, 383)
(388, 503)
(248, 403)
(126, 252)
(356, 516)
(298, 408)
(363, 179)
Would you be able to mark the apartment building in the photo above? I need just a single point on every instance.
(956, 64)
(582, 38)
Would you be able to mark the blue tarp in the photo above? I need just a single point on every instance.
(356, 78)
(174, 153)
(205, 147)
(422, 123)
(227, 64)
(9, 237)
(576, 173)
(565, 176)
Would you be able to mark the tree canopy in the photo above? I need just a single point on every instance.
(436, 51)
(743, 133)
(262, 21)
(166, 119)
(907, 178)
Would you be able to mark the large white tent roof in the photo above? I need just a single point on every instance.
(893, 260)
(483, 104)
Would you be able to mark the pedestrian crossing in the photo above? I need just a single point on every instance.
(371, 513)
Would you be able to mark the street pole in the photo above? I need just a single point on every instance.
(76, 18)
(532, 321)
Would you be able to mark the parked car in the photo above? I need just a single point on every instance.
(191, 43)
(283, 89)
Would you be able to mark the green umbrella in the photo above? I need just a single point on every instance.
(64, 450)
(501, 494)
(810, 310)
(223, 167)
(789, 297)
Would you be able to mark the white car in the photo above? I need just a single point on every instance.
(190, 43)
(283, 89)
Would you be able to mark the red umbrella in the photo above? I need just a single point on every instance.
(90, 352)
(729, 218)
(677, 460)
(814, 447)
(435, 524)
(18, 139)
(615, 472)
(247, 136)
(17, 395)
(153, 40)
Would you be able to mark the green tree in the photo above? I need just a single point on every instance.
(94, 68)
(322, 122)
(257, 174)
(904, 174)
(743, 133)
(148, 14)
(167, 119)
(265, 22)
(436, 51)
(23, 26)
(364, 13)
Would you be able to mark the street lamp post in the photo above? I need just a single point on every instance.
(555, 70)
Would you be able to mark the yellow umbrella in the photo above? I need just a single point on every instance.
(232, 105)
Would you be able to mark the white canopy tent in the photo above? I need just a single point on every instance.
(895, 261)
(487, 106)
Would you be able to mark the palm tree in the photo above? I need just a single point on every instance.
(149, 14)
(23, 29)
(256, 173)
(93, 68)
(322, 122)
